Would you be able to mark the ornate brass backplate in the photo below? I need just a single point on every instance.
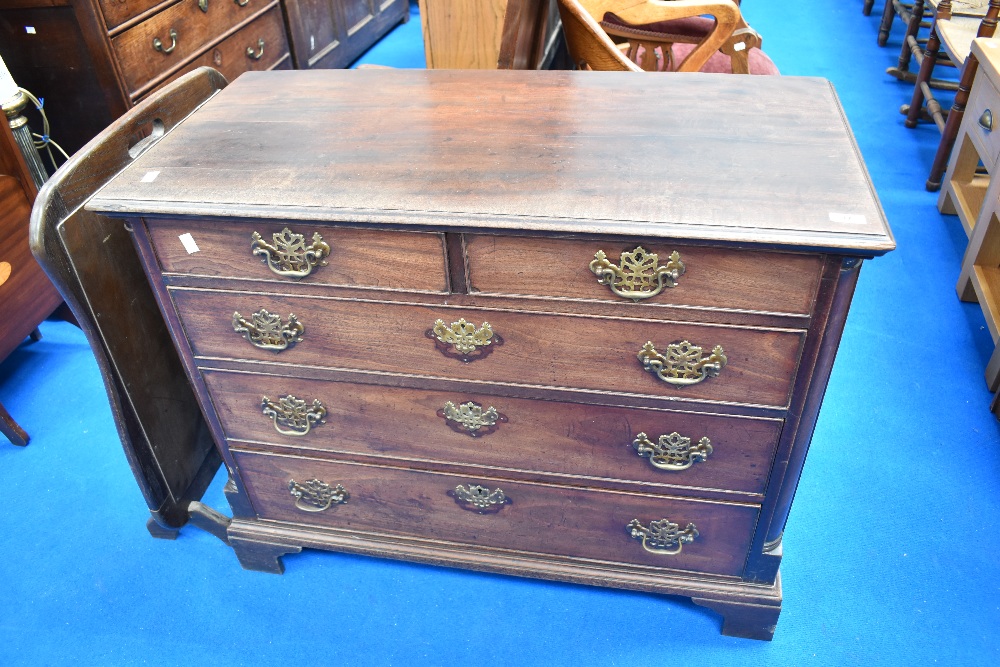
(288, 255)
(662, 537)
(672, 452)
(293, 416)
(463, 340)
(637, 275)
(267, 331)
(470, 418)
(683, 363)
(316, 495)
(480, 499)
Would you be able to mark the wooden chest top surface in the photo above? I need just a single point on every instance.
(761, 160)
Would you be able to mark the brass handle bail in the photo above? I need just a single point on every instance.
(316, 495)
(683, 364)
(158, 44)
(260, 48)
(662, 537)
(638, 274)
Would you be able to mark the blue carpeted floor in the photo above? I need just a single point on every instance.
(890, 551)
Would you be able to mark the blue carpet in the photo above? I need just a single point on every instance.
(890, 550)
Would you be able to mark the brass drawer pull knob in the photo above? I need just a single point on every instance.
(462, 340)
(481, 499)
(673, 452)
(267, 331)
(316, 495)
(683, 364)
(662, 537)
(158, 44)
(242, 3)
(289, 255)
(986, 120)
(293, 416)
(260, 47)
(637, 275)
(470, 418)
(203, 5)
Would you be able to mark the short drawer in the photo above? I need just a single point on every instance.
(258, 45)
(714, 278)
(588, 353)
(536, 439)
(984, 131)
(181, 31)
(357, 257)
(534, 518)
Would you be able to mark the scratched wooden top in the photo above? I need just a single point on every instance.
(735, 159)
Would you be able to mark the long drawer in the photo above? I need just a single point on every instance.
(357, 257)
(711, 278)
(596, 354)
(563, 442)
(525, 517)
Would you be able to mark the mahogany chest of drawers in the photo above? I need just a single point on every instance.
(533, 325)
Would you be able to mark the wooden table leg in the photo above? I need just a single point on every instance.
(9, 428)
(952, 124)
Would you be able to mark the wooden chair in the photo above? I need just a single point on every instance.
(658, 36)
(92, 261)
(954, 34)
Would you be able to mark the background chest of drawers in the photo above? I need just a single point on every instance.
(94, 59)
(460, 340)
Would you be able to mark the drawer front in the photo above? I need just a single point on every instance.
(581, 444)
(117, 12)
(984, 98)
(713, 278)
(357, 257)
(533, 518)
(183, 30)
(231, 56)
(597, 354)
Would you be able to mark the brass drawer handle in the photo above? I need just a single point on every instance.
(673, 452)
(480, 499)
(462, 340)
(637, 275)
(470, 418)
(289, 256)
(293, 416)
(316, 495)
(986, 120)
(683, 364)
(267, 331)
(158, 44)
(203, 6)
(260, 47)
(662, 537)
(244, 3)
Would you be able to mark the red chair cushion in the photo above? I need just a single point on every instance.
(692, 28)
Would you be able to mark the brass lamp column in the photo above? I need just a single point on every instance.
(22, 135)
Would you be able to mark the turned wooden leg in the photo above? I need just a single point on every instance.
(35, 335)
(749, 621)
(261, 556)
(867, 9)
(10, 428)
(912, 28)
(926, 70)
(952, 124)
(888, 14)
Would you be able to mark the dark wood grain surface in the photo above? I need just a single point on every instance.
(563, 442)
(585, 524)
(742, 159)
(598, 354)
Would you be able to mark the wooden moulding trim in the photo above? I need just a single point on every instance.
(861, 245)
(166, 74)
(688, 584)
